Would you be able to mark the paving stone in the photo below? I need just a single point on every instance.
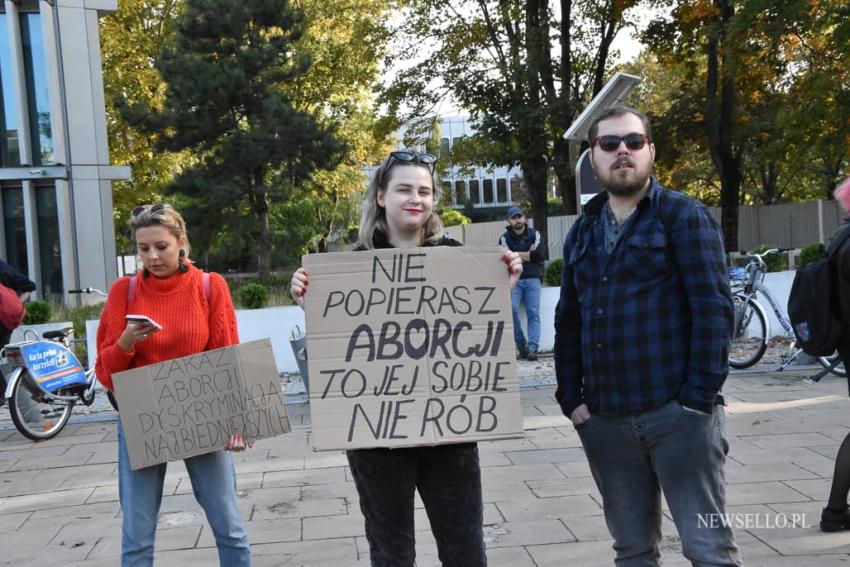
(56, 499)
(574, 470)
(12, 522)
(334, 526)
(529, 509)
(263, 531)
(762, 493)
(549, 488)
(580, 554)
(817, 489)
(757, 473)
(509, 557)
(546, 456)
(331, 553)
(304, 477)
(526, 533)
(303, 509)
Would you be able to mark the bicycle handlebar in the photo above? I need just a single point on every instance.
(88, 290)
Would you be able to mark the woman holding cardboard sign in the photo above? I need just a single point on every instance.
(398, 212)
(168, 311)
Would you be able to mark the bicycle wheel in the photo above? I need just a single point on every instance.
(33, 416)
(750, 338)
(826, 362)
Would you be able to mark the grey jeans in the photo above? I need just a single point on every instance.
(682, 452)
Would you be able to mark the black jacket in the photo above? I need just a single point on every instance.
(841, 261)
(13, 279)
(528, 241)
(381, 241)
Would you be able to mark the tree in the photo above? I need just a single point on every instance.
(755, 95)
(226, 101)
(131, 40)
(495, 58)
(346, 40)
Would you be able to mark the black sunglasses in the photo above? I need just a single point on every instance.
(154, 209)
(633, 141)
(408, 157)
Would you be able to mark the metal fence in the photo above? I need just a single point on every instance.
(792, 225)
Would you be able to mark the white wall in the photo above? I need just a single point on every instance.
(778, 283)
(278, 323)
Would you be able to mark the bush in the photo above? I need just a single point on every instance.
(811, 253)
(553, 272)
(775, 262)
(253, 295)
(452, 217)
(38, 312)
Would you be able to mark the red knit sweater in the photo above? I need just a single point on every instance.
(189, 323)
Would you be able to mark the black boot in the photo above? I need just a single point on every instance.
(832, 521)
(531, 356)
(522, 347)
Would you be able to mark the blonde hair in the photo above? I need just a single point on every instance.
(163, 215)
(373, 217)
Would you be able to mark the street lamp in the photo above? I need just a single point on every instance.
(614, 92)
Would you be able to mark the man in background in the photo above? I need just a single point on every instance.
(521, 238)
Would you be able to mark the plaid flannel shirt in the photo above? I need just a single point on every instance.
(650, 323)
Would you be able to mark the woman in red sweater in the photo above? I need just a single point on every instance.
(195, 316)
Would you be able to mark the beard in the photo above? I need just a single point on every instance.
(518, 228)
(626, 185)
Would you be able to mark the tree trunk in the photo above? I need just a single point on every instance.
(565, 173)
(264, 243)
(534, 173)
(719, 122)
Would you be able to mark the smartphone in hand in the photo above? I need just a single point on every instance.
(143, 319)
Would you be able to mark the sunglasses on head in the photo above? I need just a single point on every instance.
(634, 141)
(427, 160)
(153, 209)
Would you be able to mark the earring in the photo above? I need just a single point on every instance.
(181, 263)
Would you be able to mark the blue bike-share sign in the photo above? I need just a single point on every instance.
(52, 365)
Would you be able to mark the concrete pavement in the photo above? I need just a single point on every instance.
(58, 499)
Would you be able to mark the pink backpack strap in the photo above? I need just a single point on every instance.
(131, 293)
(205, 278)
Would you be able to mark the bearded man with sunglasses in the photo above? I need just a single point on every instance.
(642, 333)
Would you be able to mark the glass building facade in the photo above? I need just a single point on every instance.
(55, 176)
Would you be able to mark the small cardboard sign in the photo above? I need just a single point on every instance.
(410, 347)
(191, 405)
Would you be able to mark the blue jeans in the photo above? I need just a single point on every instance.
(214, 484)
(527, 291)
(634, 457)
(448, 478)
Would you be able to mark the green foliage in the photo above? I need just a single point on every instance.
(776, 262)
(811, 253)
(226, 102)
(453, 217)
(78, 317)
(782, 79)
(38, 312)
(553, 272)
(521, 72)
(253, 296)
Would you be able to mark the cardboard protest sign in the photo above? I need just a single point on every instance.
(410, 347)
(191, 405)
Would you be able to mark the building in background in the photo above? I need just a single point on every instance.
(55, 178)
(483, 194)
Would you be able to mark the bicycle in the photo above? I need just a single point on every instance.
(752, 326)
(46, 381)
